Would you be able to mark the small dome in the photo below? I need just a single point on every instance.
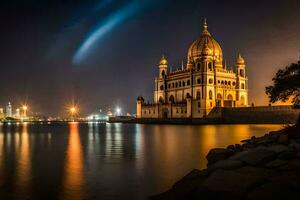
(240, 60)
(202, 44)
(163, 61)
(140, 98)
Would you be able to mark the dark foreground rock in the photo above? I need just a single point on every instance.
(267, 167)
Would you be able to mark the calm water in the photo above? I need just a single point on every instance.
(106, 161)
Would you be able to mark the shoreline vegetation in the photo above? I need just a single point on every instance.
(266, 167)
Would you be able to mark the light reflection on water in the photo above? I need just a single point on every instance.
(73, 178)
(106, 161)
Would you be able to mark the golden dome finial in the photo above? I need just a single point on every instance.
(205, 24)
(205, 28)
(163, 61)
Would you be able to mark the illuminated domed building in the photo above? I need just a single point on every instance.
(195, 89)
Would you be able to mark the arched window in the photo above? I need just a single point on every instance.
(229, 97)
(198, 95)
(188, 82)
(210, 95)
(163, 73)
(161, 100)
(179, 83)
(183, 83)
(198, 66)
(225, 82)
(233, 83)
(171, 99)
(169, 85)
(229, 83)
(209, 66)
(161, 87)
(198, 80)
(187, 95)
(243, 86)
(176, 85)
(242, 72)
(222, 82)
(210, 81)
(219, 97)
(172, 85)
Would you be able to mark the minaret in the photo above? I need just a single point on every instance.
(240, 66)
(241, 82)
(163, 67)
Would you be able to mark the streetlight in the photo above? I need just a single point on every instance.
(73, 111)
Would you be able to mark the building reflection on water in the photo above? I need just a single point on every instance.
(23, 163)
(73, 175)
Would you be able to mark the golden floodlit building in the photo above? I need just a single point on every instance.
(203, 84)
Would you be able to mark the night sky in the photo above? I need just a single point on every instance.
(105, 53)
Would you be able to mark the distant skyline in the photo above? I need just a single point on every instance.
(105, 53)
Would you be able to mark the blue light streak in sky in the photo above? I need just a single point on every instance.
(103, 28)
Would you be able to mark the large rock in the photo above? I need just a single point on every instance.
(283, 139)
(291, 165)
(276, 163)
(226, 184)
(217, 154)
(278, 148)
(256, 156)
(184, 189)
(272, 191)
(256, 171)
(226, 164)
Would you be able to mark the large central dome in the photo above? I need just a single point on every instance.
(204, 45)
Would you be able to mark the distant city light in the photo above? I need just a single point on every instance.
(24, 107)
(118, 111)
(73, 110)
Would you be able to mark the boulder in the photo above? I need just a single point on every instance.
(283, 139)
(256, 156)
(217, 154)
(277, 148)
(287, 155)
(291, 165)
(185, 187)
(272, 191)
(275, 163)
(256, 171)
(226, 184)
(226, 164)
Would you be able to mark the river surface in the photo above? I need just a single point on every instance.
(106, 161)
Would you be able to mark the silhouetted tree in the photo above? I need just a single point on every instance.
(286, 84)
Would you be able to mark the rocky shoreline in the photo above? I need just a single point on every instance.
(266, 167)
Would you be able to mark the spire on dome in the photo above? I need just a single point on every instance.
(205, 27)
(205, 24)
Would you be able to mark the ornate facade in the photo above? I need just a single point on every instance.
(195, 89)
